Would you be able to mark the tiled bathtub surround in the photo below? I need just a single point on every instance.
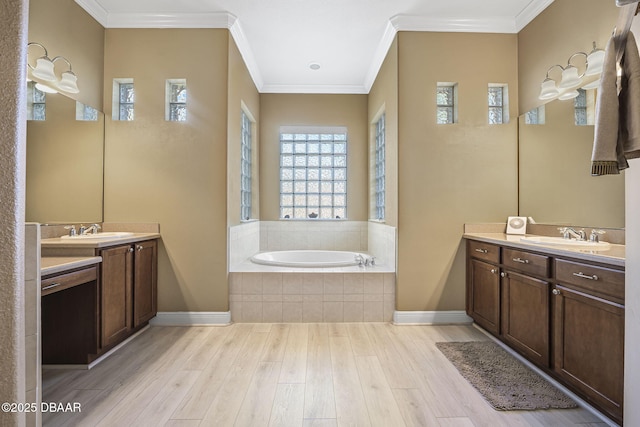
(311, 297)
(382, 243)
(319, 235)
(244, 242)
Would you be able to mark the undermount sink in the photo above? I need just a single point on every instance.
(99, 236)
(560, 241)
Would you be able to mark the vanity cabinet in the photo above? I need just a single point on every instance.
(129, 289)
(483, 294)
(588, 332)
(565, 315)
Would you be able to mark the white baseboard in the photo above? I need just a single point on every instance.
(191, 318)
(430, 317)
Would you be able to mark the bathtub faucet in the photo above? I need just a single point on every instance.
(370, 261)
(360, 260)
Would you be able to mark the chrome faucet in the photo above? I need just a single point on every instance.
(568, 233)
(595, 235)
(370, 261)
(360, 260)
(92, 229)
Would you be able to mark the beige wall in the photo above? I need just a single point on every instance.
(168, 172)
(65, 29)
(384, 97)
(13, 38)
(450, 174)
(242, 95)
(313, 110)
(563, 28)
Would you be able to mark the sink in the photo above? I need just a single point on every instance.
(99, 236)
(570, 243)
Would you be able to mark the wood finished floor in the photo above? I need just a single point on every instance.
(315, 375)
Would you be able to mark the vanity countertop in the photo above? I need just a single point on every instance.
(614, 255)
(54, 265)
(58, 242)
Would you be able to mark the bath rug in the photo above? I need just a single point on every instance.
(505, 382)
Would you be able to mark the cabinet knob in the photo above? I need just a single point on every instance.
(139, 248)
(494, 270)
(130, 249)
(503, 274)
(556, 291)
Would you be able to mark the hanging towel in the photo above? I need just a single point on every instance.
(617, 126)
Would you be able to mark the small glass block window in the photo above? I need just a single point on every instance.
(245, 167)
(380, 169)
(313, 175)
(86, 113)
(446, 103)
(36, 103)
(580, 108)
(498, 104)
(123, 100)
(535, 116)
(176, 100)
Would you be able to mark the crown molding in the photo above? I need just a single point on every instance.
(247, 54)
(170, 20)
(316, 89)
(453, 24)
(94, 9)
(380, 54)
(530, 12)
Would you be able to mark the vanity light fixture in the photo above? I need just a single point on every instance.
(45, 72)
(548, 88)
(570, 76)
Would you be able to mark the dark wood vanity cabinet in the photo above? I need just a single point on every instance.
(128, 290)
(483, 295)
(564, 315)
(588, 333)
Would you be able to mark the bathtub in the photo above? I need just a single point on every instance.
(307, 258)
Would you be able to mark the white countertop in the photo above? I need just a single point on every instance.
(614, 255)
(54, 265)
(58, 242)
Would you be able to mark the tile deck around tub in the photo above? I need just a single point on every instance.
(347, 294)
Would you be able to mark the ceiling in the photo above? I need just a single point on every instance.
(348, 39)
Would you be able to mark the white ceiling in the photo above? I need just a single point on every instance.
(279, 39)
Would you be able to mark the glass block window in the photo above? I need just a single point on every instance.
(245, 167)
(498, 102)
(123, 99)
(380, 168)
(176, 110)
(446, 103)
(36, 103)
(313, 174)
(535, 116)
(580, 108)
(86, 113)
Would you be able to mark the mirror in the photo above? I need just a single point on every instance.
(64, 163)
(555, 182)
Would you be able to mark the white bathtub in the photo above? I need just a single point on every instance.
(309, 259)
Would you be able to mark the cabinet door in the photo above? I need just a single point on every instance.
(525, 316)
(145, 282)
(115, 293)
(589, 347)
(484, 295)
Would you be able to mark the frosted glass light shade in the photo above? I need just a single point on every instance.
(570, 78)
(548, 90)
(69, 82)
(594, 62)
(568, 95)
(44, 69)
(44, 88)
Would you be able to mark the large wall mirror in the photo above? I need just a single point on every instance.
(555, 183)
(65, 147)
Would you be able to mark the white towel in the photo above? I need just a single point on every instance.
(617, 127)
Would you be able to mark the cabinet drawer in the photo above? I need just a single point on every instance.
(484, 251)
(68, 280)
(527, 262)
(599, 280)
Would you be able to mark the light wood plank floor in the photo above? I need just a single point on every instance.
(342, 374)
